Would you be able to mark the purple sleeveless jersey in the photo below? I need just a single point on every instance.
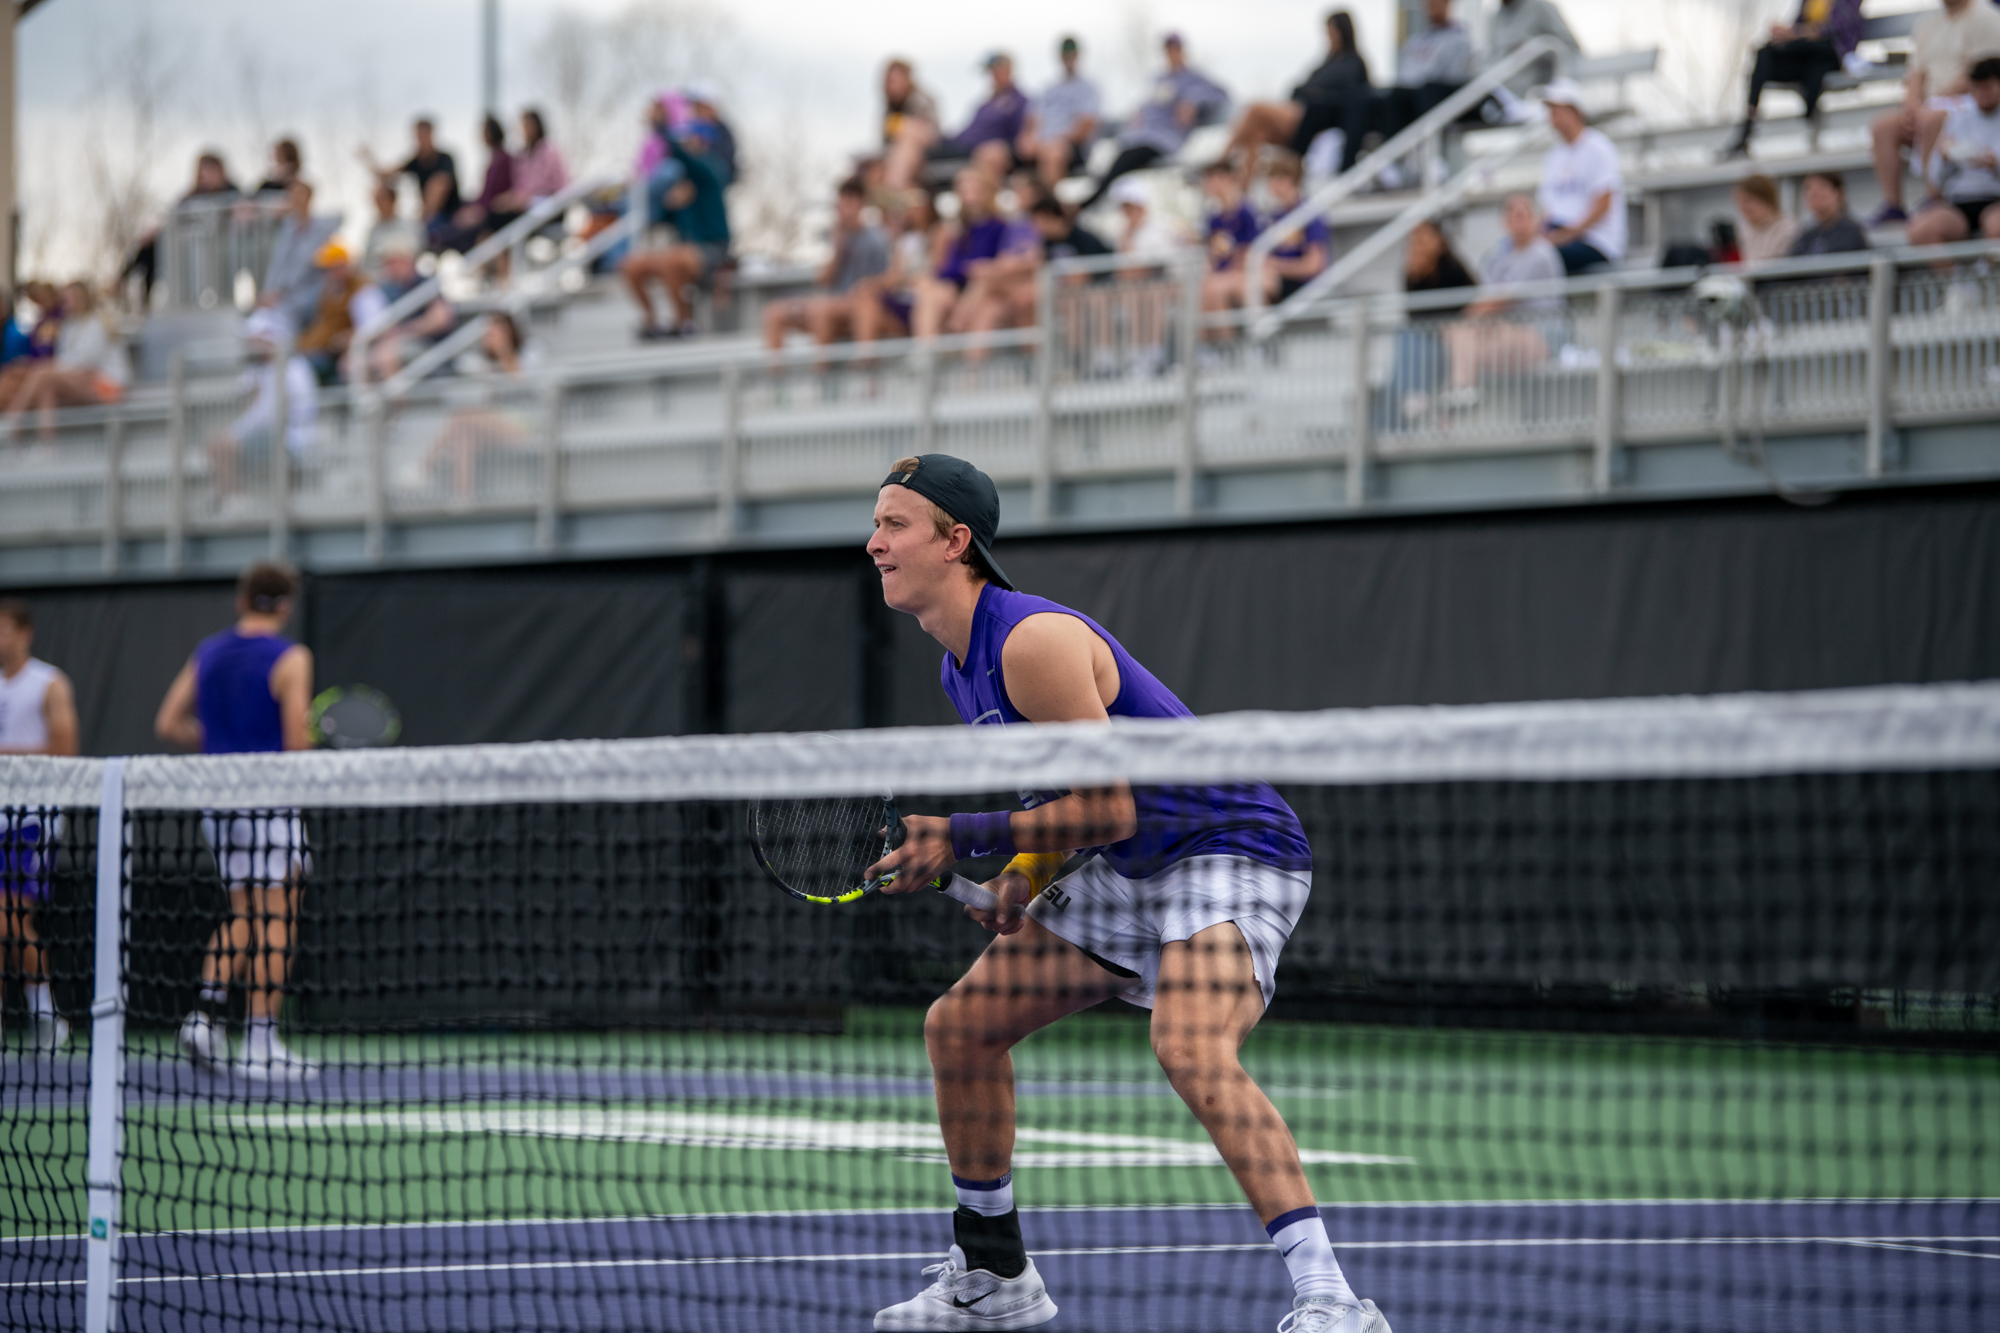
(1247, 819)
(232, 692)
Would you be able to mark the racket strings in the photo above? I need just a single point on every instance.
(820, 848)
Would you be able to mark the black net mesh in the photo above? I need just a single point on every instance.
(1705, 1054)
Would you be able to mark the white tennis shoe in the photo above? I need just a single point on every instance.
(48, 1032)
(277, 1063)
(1316, 1314)
(968, 1300)
(204, 1042)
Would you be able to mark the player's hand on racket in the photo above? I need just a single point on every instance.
(925, 855)
(1014, 891)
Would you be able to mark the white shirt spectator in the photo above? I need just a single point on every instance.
(1968, 133)
(301, 403)
(1436, 55)
(1066, 102)
(1537, 261)
(1573, 176)
(85, 343)
(1946, 45)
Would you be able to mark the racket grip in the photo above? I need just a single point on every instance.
(969, 893)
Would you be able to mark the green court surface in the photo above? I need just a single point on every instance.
(500, 1125)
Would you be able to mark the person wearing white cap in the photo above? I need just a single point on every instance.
(1582, 195)
(246, 442)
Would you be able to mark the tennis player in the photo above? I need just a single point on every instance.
(37, 716)
(246, 690)
(1187, 897)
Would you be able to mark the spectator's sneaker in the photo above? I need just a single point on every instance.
(652, 333)
(1461, 399)
(969, 1300)
(1316, 1314)
(49, 1032)
(688, 329)
(1888, 215)
(204, 1043)
(277, 1063)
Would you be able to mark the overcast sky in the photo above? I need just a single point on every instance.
(805, 72)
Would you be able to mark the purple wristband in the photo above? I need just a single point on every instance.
(990, 834)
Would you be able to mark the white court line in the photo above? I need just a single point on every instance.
(755, 1214)
(1562, 1242)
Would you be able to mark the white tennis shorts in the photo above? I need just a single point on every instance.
(1127, 921)
(256, 848)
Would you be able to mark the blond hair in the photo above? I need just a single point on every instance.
(942, 523)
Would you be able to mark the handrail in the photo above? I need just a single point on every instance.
(1424, 128)
(1384, 237)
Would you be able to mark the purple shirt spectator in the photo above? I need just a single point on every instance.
(1302, 240)
(981, 240)
(1239, 226)
(998, 118)
(499, 178)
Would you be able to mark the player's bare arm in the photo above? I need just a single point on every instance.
(176, 723)
(291, 686)
(59, 716)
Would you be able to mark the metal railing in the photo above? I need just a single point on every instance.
(204, 245)
(1590, 374)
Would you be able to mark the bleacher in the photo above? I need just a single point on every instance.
(1854, 372)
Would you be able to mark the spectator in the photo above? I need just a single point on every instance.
(34, 343)
(211, 183)
(325, 341)
(1945, 45)
(1965, 167)
(1429, 265)
(1145, 236)
(486, 214)
(291, 278)
(883, 307)
(245, 444)
(1232, 223)
(1582, 196)
(539, 170)
(394, 346)
(1293, 262)
(1315, 105)
(1432, 65)
(1062, 123)
(388, 231)
(860, 252)
(436, 176)
(1766, 232)
(1802, 53)
(704, 105)
(701, 218)
(1513, 25)
(908, 113)
(656, 164)
(88, 368)
(988, 138)
(1062, 236)
(972, 242)
(286, 165)
(1504, 334)
(480, 428)
(1833, 230)
(13, 338)
(1181, 99)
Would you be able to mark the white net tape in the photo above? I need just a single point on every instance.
(1881, 729)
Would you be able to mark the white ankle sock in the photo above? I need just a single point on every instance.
(40, 1003)
(988, 1198)
(263, 1031)
(215, 993)
(1300, 1236)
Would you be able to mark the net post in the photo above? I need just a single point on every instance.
(107, 1058)
(1881, 365)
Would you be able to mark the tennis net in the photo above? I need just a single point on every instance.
(1658, 1014)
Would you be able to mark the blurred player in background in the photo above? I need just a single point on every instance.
(248, 690)
(37, 716)
(1183, 906)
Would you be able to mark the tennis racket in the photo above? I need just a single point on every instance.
(819, 850)
(353, 717)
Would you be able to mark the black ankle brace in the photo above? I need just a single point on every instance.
(991, 1243)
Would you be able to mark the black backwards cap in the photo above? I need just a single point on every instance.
(965, 493)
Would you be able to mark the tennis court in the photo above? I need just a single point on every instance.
(712, 1180)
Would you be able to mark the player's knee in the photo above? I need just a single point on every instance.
(1188, 1058)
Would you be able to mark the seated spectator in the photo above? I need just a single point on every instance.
(1801, 53)
(974, 240)
(1232, 223)
(487, 423)
(539, 171)
(211, 183)
(245, 444)
(1766, 232)
(988, 137)
(393, 347)
(1501, 334)
(1582, 196)
(286, 165)
(1315, 103)
(1965, 167)
(1145, 236)
(1513, 25)
(87, 368)
(1293, 262)
(292, 277)
(1833, 229)
(1061, 122)
(487, 214)
(909, 116)
(436, 176)
(860, 252)
(704, 106)
(701, 218)
(324, 342)
(1063, 237)
(883, 307)
(13, 338)
(1944, 47)
(1180, 99)
(1432, 65)
(1417, 368)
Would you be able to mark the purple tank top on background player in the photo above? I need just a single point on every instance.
(232, 692)
(1245, 819)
